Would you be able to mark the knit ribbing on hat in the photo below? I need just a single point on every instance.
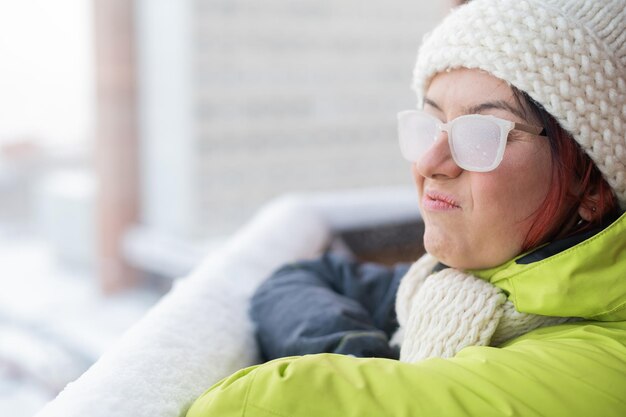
(444, 312)
(568, 55)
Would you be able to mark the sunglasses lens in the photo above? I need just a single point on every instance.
(417, 132)
(475, 143)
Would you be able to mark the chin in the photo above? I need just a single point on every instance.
(442, 249)
(447, 254)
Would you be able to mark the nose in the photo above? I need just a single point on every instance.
(437, 162)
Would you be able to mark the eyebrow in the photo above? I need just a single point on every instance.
(498, 104)
(478, 108)
(432, 104)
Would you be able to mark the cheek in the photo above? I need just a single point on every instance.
(512, 197)
(531, 183)
(418, 180)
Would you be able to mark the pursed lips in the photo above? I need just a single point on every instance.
(437, 201)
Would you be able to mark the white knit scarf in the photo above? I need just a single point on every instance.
(441, 313)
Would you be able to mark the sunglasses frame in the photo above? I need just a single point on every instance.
(506, 126)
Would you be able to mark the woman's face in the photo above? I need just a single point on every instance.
(477, 220)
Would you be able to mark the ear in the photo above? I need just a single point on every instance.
(587, 210)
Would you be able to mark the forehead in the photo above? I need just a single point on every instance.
(465, 87)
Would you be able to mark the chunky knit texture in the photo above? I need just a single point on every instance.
(568, 55)
(444, 312)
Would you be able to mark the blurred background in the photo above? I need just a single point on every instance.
(137, 135)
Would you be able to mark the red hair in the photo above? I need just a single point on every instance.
(576, 182)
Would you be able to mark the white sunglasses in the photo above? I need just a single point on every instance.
(477, 142)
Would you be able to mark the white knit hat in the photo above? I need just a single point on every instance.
(568, 55)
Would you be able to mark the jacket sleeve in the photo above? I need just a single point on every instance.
(571, 371)
(327, 305)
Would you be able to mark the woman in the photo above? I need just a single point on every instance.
(519, 307)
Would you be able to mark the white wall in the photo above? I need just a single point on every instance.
(166, 114)
(279, 96)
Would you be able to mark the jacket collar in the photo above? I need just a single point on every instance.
(583, 276)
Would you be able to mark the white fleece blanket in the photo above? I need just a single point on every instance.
(200, 332)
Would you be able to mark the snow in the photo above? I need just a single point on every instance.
(54, 322)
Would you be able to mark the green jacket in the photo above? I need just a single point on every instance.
(576, 369)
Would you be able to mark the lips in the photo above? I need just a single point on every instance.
(437, 201)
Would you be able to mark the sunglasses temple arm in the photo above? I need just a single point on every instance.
(535, 130)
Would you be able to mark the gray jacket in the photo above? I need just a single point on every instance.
(331, 304)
